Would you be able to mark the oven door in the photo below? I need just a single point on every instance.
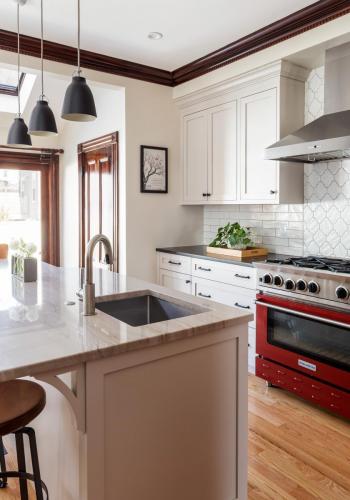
(311, 339)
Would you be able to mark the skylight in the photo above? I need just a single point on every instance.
(8, 81)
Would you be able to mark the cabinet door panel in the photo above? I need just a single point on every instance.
(175, 281)
(195, 151)
(222, 148)
(258, 129)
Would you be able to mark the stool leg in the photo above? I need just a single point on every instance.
(21, 459)
(35, 462)
(3, 482)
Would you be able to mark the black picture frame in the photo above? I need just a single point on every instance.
(158, 160)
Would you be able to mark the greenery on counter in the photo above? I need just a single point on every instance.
(232, 236)
(22, 249)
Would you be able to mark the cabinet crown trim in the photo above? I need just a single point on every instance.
(277, 69)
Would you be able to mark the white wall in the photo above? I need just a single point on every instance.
(147, 220)
(154, 219)
(110, 106)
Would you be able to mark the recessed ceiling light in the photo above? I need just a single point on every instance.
(155, 35)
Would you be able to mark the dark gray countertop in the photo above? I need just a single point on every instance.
(200, 252)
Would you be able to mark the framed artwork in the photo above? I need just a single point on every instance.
(154, 169)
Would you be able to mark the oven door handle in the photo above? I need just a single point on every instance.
(304, 315)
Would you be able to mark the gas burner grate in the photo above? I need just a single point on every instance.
(317, 263)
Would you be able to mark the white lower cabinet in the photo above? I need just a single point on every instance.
(225, 294)
(241, 293)
(175, 281)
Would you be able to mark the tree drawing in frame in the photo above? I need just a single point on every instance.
(154, 169)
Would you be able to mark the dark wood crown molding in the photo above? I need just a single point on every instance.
(296, 23)
(58, 52)
(302, 20)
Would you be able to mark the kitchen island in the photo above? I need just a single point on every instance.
(156, 411)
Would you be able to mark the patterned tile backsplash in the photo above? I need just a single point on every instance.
(319, 226)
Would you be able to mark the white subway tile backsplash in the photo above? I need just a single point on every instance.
(320, 226)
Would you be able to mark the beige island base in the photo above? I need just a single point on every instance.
(152, 412)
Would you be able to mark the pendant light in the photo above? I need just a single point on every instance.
(79, 104)
(18, 133)
(42, 121)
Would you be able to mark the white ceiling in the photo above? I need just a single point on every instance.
(191, 28)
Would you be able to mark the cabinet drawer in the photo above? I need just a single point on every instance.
(173, 262)
(225, 294)
(175, 281)
(231, 274)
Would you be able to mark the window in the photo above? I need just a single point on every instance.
(8, 81)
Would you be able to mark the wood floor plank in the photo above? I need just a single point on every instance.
(296, 450)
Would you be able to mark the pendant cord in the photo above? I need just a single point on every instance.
(42, 49)
(79, 70)
(18, 65)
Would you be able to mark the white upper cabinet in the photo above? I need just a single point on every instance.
(225, 133)
(258, 129)
(195, 156)
(222, 153)
(210, 154)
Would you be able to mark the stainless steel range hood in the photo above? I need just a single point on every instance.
(328, 137)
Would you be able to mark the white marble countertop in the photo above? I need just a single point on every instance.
(39, 332)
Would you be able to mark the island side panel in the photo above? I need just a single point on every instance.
(166, 421)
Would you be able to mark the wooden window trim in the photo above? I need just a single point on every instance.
(48, 165)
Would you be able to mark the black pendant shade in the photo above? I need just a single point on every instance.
(42, 121)
(79, 104)
(18, 134)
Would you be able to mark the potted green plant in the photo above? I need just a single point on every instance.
(23, 265)
(236, 241)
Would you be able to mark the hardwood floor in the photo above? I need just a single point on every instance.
(296, 451)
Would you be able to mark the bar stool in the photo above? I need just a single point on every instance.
(20, 402)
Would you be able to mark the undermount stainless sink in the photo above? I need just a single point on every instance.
(145, 309)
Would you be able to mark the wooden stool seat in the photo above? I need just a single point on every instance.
(20, 402)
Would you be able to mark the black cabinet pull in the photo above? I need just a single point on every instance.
(242, 276)
(174, 263)
(203, 295)
(187, 281)
(204, 268)
(272, 191)
(208, 194)
(240, 305)
(204, 194)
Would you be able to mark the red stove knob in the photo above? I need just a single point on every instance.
(342, 293)
(267, 279)
(313, 287)
(290, 284)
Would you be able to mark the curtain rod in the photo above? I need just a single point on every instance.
(34, 150)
